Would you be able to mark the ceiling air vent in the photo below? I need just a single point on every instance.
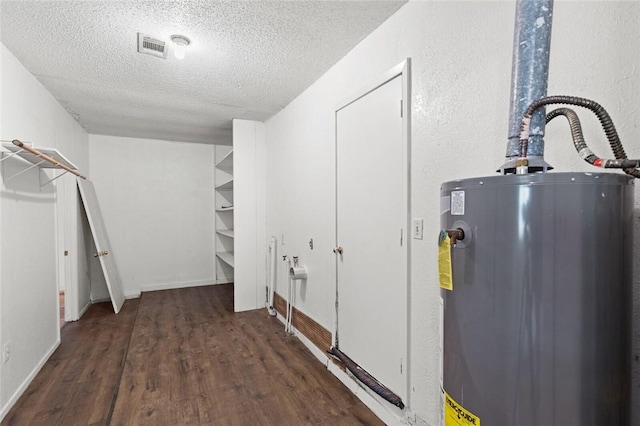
(151, 46)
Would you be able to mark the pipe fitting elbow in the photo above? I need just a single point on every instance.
(522, 166)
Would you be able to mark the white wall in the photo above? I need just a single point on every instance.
(249, 214)
(461, 64)
(32, 238)
(157, 201)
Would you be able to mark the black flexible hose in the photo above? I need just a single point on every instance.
(603, 116)
(367, 378)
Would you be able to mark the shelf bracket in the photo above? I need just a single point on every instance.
(24, 171)
(51, 180)
(9, 155)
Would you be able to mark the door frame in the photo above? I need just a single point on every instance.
(402, 70)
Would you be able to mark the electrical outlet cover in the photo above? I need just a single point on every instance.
(6, 352)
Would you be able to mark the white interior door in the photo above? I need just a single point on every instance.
(96, 223)
(371, 229)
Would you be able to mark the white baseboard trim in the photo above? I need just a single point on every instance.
(171, 286)
(317, 352)
(23, 387)
(71, 315)
(156, 287)
(368, 398)
(83, 310)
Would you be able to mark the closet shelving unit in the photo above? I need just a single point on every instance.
(224, 215)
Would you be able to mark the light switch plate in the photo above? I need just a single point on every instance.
(417, 229)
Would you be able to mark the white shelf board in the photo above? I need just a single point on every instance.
(226, 209)
(226, 232)
(226, 163)
(226, 257)
(225, 186)
(34, 159)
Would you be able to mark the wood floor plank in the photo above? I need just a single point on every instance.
(181, 357)
(92, 347)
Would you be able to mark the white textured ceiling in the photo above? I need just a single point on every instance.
(248, 59)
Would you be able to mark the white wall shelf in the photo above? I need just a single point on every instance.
(224, 215)
(43, 158)
(226, 257)
(226, 163)
(226, 232)
(227, 186)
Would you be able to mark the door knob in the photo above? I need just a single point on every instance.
(337, 250)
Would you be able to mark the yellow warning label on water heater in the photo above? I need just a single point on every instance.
(456, 415)
(444, 261)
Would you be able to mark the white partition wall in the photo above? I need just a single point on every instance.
(249, 215)
(37, 223)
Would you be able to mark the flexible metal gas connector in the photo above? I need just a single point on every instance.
(581, 146)
(621, 161)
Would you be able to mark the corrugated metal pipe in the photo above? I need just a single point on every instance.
(529, 75)
(621, 161)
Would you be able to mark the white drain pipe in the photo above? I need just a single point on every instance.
(272, 275)
(290, 290)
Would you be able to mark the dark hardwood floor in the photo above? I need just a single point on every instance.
(179, 357)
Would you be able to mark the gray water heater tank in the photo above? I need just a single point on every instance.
(537, 328)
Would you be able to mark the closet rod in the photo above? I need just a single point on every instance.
(37, 153)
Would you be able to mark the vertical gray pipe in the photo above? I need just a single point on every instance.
(529, 75)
